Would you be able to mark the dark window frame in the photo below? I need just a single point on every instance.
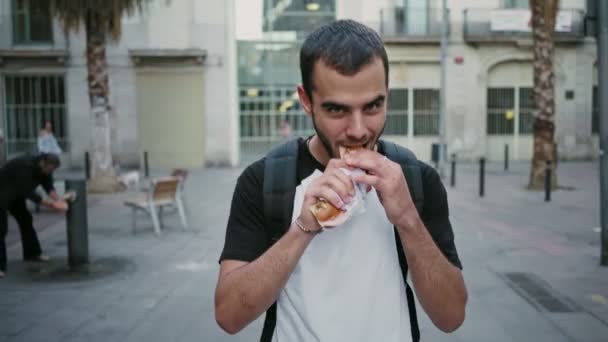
(31, 24)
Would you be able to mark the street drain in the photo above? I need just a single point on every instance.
(538, 293)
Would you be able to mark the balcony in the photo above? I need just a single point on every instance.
(410, 25)
(513, 25)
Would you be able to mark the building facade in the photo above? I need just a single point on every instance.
(489, 75)
(198, 83)
(172, 76)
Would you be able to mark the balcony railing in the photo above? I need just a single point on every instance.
(410, 24)
(503, 25)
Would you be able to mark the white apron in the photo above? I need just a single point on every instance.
(348, 284)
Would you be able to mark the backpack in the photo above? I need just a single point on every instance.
(280, 182)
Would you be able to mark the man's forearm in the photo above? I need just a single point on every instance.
(53, 195)
(246, 292)
(439, 285)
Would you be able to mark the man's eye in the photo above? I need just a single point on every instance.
(335, 109)
(374, 107)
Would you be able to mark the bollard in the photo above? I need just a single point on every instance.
(453, 172)
(77, 226)
(506, 157)
(482, 170)
(87, 165)
(146, 166)
(547, 181)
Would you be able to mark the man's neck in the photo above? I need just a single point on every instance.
(318, 150)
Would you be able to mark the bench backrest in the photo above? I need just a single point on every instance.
(165, 188)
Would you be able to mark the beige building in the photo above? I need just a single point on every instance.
(172, 84)
(212, 82)
(489, 74)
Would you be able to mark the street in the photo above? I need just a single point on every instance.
(531, 267)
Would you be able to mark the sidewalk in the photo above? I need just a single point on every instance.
(523, 259)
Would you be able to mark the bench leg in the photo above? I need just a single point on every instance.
(155, 222)
(182, 212)
(133, 220)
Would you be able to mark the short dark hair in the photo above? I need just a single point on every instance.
(345, 45)
(50, 159)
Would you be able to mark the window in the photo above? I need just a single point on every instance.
(426, 111)
(500, 111)
(32, 22)
(396, 113)
(526, 110)
(595, 112)
(30, 101)
(516, 4)
(264, 108)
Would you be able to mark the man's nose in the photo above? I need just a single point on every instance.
(356, 128)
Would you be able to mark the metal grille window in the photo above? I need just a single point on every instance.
(500, 111)
(526, 110)
(32, 22)
(268, 115)
(396, 114)
(30, 101)
(264, 109)
(426, 111)
(595, 112)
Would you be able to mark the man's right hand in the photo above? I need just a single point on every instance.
(60, 206)
(334, 186)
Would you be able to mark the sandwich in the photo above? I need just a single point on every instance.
(326, 213)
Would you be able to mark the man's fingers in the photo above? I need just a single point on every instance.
(370, 161)
(335, 163)
(345, 180)
(370, 180)
(331, 196)
(344, 190)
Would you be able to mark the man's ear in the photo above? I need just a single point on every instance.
(305, 101)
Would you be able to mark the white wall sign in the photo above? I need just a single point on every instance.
(519, 20)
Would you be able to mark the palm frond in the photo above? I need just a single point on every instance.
(104, 14)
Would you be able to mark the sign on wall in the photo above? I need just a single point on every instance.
(519, 20)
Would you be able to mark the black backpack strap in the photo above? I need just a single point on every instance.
(280, 177)
(413, 177)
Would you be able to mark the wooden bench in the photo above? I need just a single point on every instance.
(163, 192)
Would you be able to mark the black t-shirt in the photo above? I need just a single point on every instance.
(247, 236)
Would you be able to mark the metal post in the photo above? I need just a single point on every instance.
(482, 176)
(442, 91)
(602, 61)
(453, 173)
(77, 226)
(506, 157)
(146, 165)
(548, 181)
(87, 165)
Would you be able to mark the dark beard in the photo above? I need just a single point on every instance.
(325, 141)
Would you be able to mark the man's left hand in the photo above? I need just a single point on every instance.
(387, 178)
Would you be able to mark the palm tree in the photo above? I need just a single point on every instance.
(544, 14)
(102, 21)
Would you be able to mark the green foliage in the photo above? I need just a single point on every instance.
(104, 15)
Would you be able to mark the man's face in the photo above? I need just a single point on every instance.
(347, 110)
(47, 168)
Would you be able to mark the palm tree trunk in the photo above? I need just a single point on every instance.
(544, 94)
(103, 178)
